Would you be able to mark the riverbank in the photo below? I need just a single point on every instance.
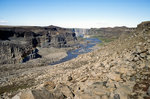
(87, 45)
(104, 40)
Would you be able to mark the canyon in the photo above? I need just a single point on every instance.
(19, 44)
(119, 69)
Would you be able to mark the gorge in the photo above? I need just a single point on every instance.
(118, 69)
(18, 44)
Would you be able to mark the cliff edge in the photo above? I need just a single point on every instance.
(19, 44)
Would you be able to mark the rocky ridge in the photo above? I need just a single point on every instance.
(118, 70)
(111, 33)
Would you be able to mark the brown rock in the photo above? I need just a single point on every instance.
(27, 95)
(148, 57)
(114, 76)
(34, 94)
(49, 85)
(65, 90)
(105, 97)
(69, 78)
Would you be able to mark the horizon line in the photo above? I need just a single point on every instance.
(68, 27)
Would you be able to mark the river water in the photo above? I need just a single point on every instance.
(84, 48)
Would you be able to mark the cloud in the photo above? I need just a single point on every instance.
(3, 21)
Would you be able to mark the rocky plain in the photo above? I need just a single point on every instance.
(117, 70)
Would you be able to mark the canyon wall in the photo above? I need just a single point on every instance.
(18, 44)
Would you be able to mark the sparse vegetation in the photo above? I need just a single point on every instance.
(104, 40)
(13, 88)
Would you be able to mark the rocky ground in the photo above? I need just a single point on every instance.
(118, 70)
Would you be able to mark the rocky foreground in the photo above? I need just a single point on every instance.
(118, 70)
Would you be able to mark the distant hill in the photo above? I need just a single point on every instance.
(110, 32)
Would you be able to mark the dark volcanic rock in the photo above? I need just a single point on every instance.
(12, 53)
(18, 43)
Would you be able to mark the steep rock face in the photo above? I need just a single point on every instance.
(13, 53)
(19, 43)
(54, 36)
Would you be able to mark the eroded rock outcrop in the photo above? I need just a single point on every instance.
(19, 43)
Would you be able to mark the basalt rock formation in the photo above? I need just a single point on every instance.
(118, 70)
(18, 44)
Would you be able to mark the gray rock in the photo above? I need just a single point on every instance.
(116, 96)
(148, 91)
(143, 55)
(133, 78)
(17, 43)
(38, 94)
(138, 49)
(66, 90)
(136, 59)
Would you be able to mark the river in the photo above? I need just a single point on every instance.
(84, 48)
